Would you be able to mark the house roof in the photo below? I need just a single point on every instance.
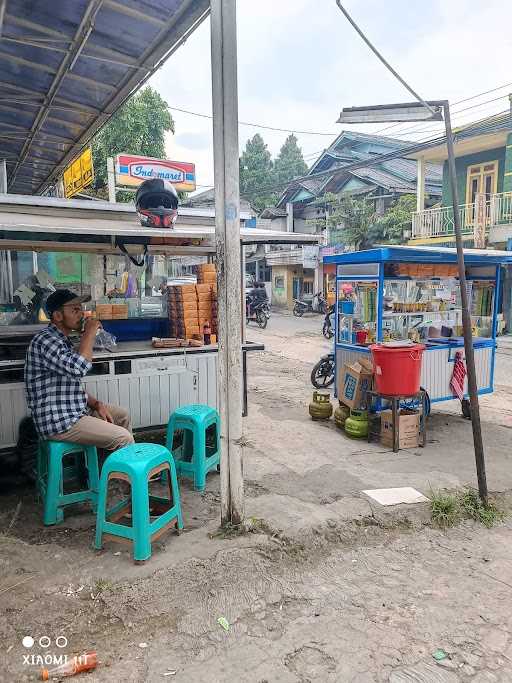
(207, 198)
(66, 67)
(394, 175)
(481, 135)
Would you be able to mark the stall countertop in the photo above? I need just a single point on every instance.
(143, 348)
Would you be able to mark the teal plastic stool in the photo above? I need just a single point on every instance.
(198, 454)
(52, 474)
(137, 463)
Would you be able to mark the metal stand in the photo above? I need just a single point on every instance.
(395, 401)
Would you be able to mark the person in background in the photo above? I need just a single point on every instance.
(257, 295)
(61, 408)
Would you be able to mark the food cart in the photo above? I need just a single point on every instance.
(149, 382)
(400, 293)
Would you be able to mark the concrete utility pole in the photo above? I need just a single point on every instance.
(227, 237)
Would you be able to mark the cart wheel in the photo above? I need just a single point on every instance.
(466, 408)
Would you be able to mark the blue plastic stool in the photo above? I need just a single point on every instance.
(51, 474)
(195, 458)
(136, 463)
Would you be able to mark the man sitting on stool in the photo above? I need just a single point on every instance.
(60, 407)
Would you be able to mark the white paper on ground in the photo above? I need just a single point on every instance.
(406, 494)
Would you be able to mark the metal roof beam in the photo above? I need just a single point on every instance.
(81, 35)
(169, 40)
(26, 62)
(39, 28)
(3, 4)
(134, 13)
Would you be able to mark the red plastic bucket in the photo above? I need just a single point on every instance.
(397, 369)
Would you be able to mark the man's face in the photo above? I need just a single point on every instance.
(70, 316)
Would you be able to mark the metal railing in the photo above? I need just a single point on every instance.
(438, 222)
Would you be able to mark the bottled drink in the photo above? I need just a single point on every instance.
(73, 666)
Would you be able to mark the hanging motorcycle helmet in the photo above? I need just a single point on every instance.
(156, 202)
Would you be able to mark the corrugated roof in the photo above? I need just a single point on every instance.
(66, 67)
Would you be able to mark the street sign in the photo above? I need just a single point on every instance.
(132, 170)
(78, 174)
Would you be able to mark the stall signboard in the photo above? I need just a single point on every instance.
(132, 170)
(79, 174)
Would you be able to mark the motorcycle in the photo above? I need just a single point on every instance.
(322, 375)
(328, 326)
(258, 313)
(317, 304)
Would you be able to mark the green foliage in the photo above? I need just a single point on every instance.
(259, 174)
(290, 162)
(473, 507)
(448, 509)
(137, 128)
(396, 220)
(444, 509)
(256, 173)
(354, 221)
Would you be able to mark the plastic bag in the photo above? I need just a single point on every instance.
(104, 340)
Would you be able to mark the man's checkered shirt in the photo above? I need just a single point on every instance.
(53, 382)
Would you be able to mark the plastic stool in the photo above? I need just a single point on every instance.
(136, 463)
(194, 458)
(51, 475)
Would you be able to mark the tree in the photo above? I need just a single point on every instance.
(397, 219)
(353, 221)
(290, 162)
(256, 173)
(137, 128)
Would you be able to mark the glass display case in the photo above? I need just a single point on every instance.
(357, 311)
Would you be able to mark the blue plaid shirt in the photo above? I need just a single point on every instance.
(53, 382)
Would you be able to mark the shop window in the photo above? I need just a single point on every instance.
(308, 287)
(279, 282)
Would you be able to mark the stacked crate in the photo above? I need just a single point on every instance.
(207, 274)
(183, 312)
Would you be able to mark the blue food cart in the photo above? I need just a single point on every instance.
(398, 293)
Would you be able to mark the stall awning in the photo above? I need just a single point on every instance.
(45, 223)
(66, 67)
(421, 255)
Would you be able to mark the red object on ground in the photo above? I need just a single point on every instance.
(397, 369)
(458, 376)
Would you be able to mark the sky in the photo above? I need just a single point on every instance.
(300, 62)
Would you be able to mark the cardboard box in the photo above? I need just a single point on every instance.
(409, 428)
(354, 381)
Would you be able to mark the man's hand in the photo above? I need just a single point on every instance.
(103, 412)
(91, 326)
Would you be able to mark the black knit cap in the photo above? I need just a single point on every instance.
(60, 298)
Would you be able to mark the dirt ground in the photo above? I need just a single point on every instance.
(327, 587)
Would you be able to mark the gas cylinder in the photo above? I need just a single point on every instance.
(356, 425)
(340, 415)
(320, 407)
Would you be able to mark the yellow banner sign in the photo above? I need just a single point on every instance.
(78, 174)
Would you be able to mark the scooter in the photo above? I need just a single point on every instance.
(258, 313)
(322, 375)
(328, 326)
(316, 305)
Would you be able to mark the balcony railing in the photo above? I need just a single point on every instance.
(439, 222)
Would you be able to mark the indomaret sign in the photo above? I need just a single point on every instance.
(132, 170)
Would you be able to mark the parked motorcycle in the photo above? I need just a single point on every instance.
(259, 313)
(322, 375)
(317, 304)
(328, 326)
